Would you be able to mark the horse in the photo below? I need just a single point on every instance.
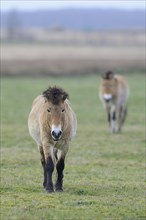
(114, 94)
(52, 124)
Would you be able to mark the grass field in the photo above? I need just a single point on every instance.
(104, 174)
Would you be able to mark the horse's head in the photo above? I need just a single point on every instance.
(55, 98)
(108, 86)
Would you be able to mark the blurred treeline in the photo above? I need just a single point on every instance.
(52, 44)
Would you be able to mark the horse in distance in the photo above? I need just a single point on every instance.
(114, 94)
(52, 124)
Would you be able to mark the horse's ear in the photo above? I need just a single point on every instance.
(108, 75)
(65, 96)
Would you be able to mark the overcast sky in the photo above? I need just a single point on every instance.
(48, 4)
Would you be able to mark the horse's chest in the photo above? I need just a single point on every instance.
(59, 144)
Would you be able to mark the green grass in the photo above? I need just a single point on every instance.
(104, 173)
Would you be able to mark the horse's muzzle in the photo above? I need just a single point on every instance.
(107, 100)
(56, 135)
(107, 97)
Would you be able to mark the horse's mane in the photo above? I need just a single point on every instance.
(55, 95)
(108, 75)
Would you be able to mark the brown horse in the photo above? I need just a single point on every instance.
(52, 124)
(114, 93)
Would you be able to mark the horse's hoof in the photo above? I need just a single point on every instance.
(59, 190)
(49, 190)
(44, 186)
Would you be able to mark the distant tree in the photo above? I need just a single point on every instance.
(13, 24)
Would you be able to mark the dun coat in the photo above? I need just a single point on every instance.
(114, 93)
(52, 124)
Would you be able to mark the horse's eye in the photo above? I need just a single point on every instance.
(62, 110)
(49, 110)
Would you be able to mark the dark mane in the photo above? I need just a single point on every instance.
(55, 95)
(108, 75)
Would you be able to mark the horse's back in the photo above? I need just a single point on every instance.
(122, 82)
(72, 119)
(122, 89)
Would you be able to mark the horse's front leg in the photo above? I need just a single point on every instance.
(113, 121)
(49, 171)
(43, 165)
(60, 167)
(59, 182)
(109, 118)
(49, 168)
(108, 110)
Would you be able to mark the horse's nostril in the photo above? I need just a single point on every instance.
(53, 133)
(60, 133)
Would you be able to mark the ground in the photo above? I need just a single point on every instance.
(104, 173)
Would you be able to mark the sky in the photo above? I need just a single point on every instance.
(31, 5)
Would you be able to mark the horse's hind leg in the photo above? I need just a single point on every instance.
(122, 117)
(43, 165)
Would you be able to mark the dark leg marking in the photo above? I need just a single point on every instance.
(45, 174)
(59, 182)
(114, 116)
(122, 115)
(109, 117)
(49, 171)
(125, 114)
